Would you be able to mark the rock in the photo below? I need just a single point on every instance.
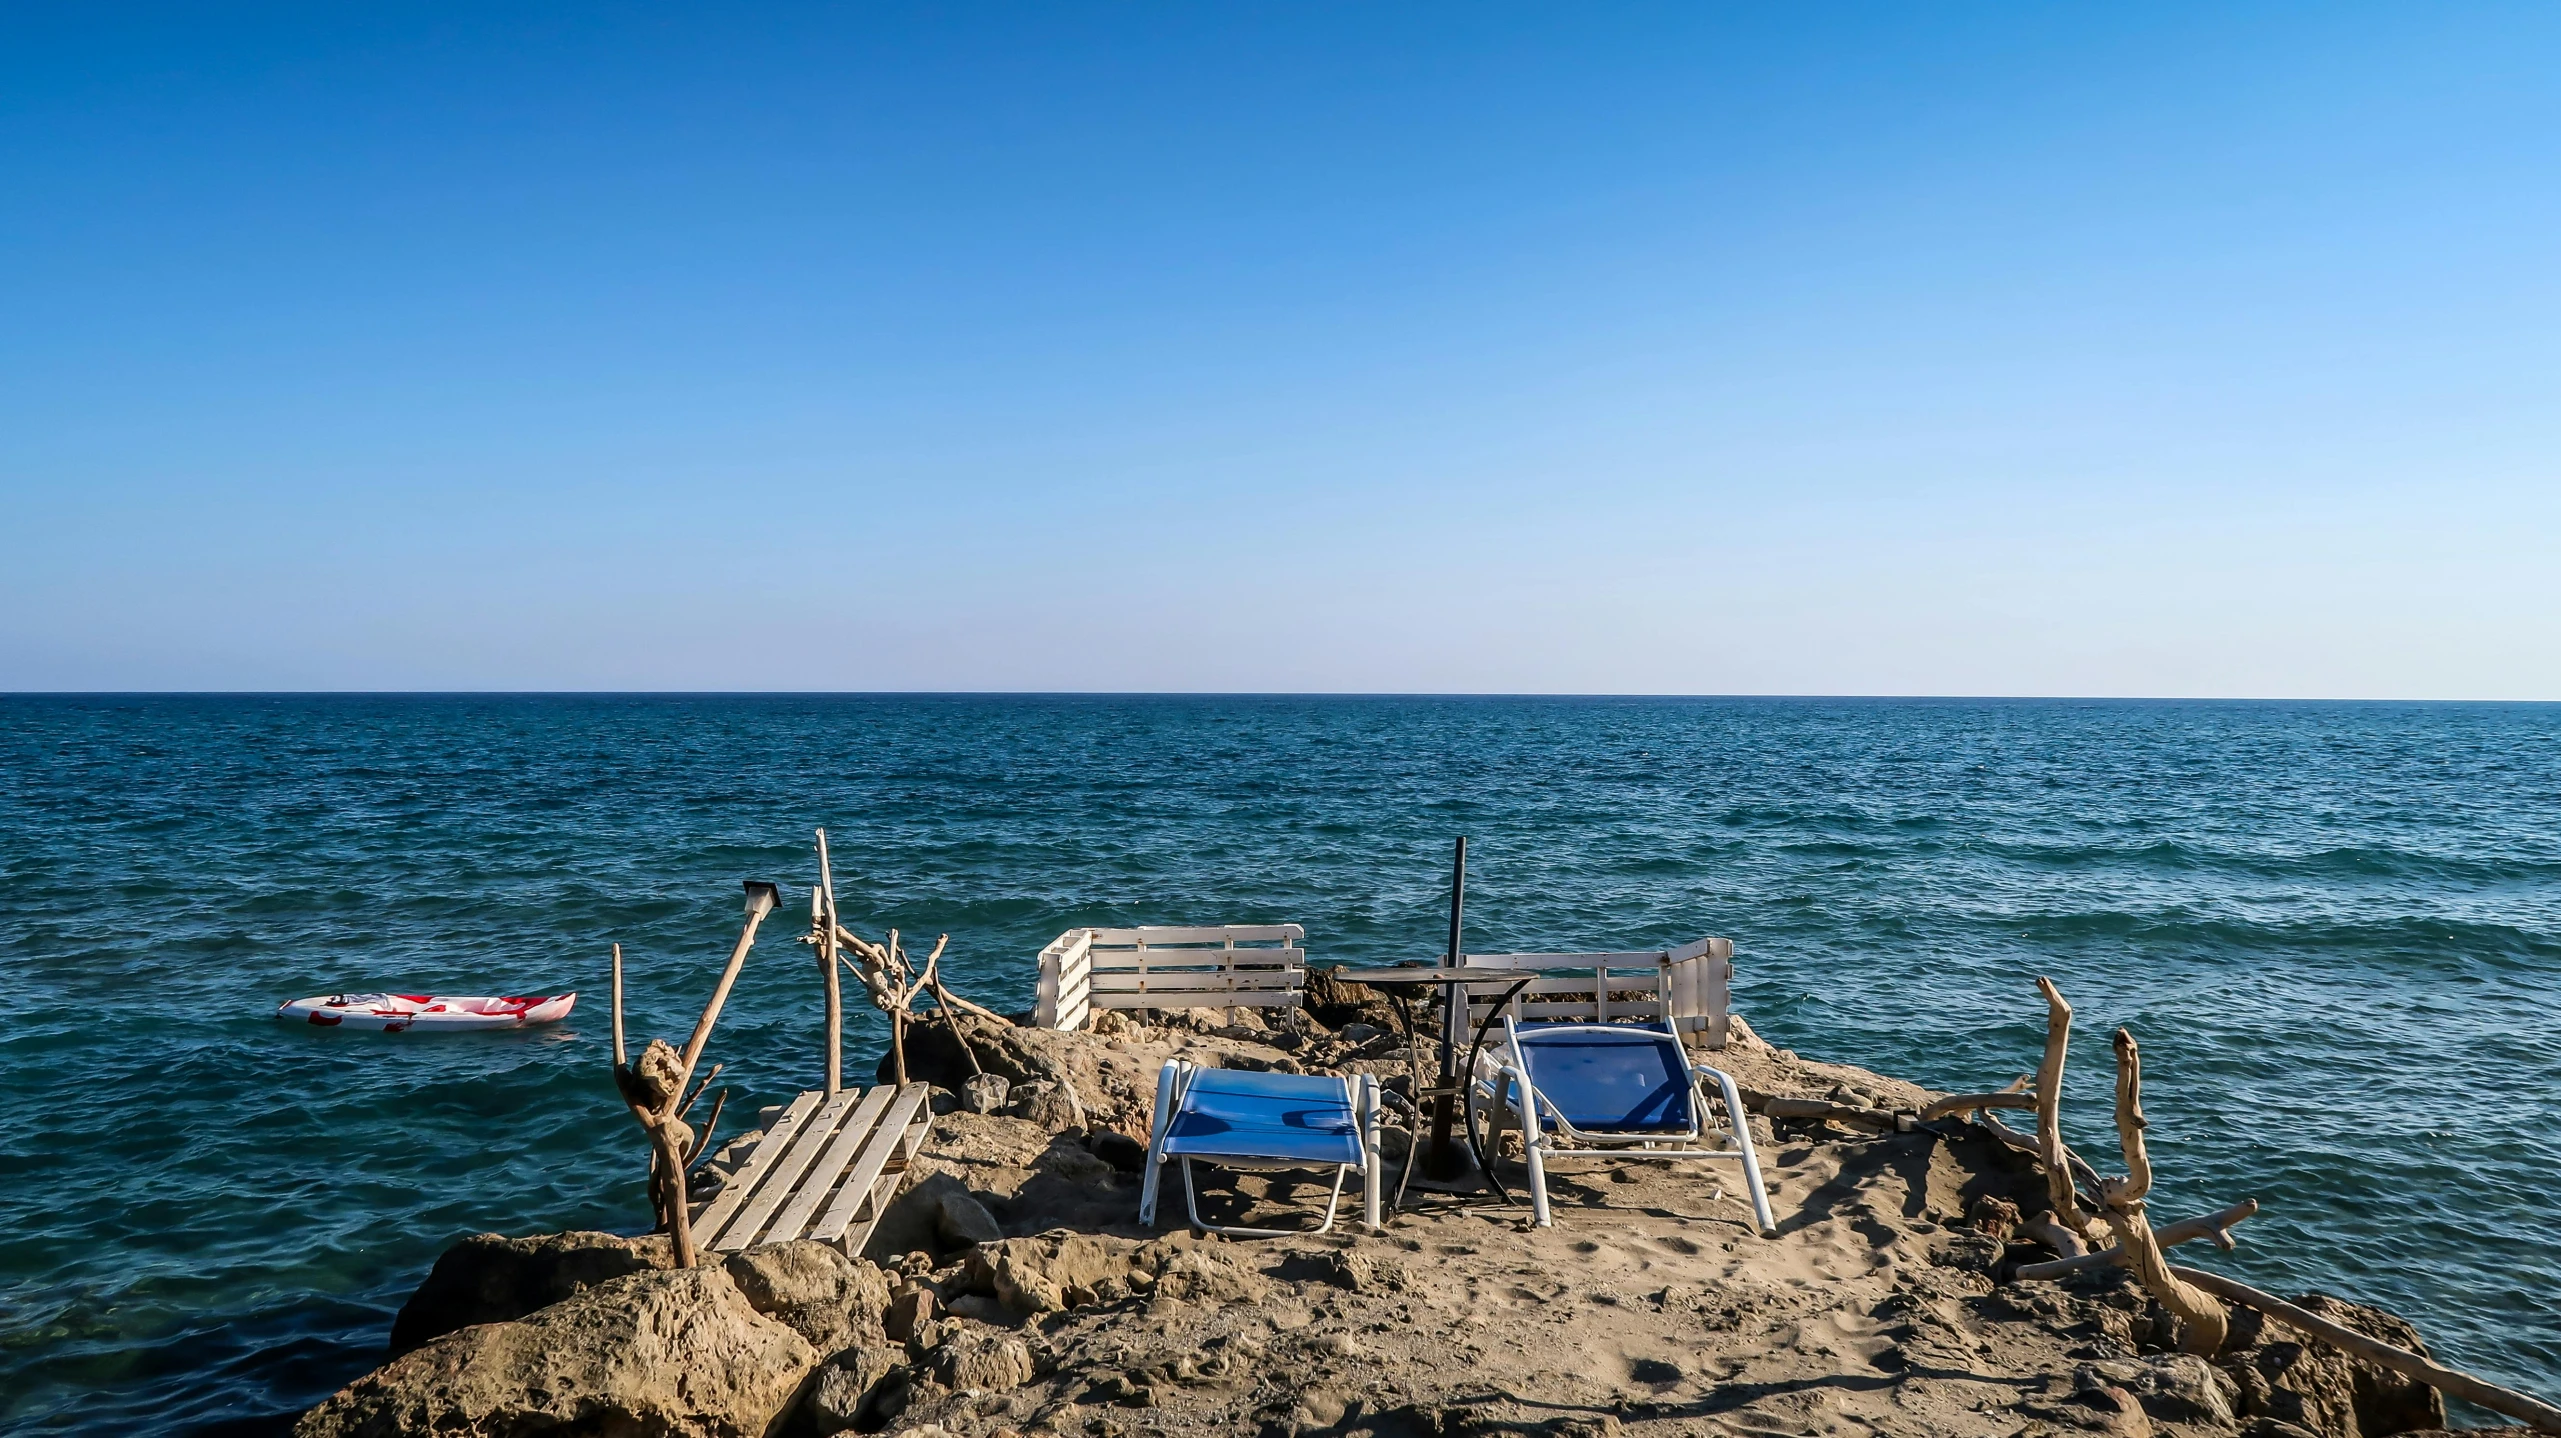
(1357, 1032)
(2177, 1388)
(825, 1297)
(984, 1093)
(939, 1100)
(910, 1309)
(489, 1279)
(663, 1352)
(2284, 1375)
(1360, 1272)
(1044, 1103)
(987, 1362)
(1201, 1275)
(1996, 1216)
(840, 1399)
(913, 1221)
(961, 1221)
(2113, 1410)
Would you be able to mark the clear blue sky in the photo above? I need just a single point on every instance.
(1801, 349)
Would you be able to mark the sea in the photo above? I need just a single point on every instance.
(2335, 927)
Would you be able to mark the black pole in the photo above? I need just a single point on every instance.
(1443, 1161)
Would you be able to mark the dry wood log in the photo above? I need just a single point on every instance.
(2202, 1321)
(2215, 1226)
(1962, 1104)
(2041, 1226)
(655, 1088)
(2530, 1411)
(2027, 1144)
(2049, 1111)
(822, 904)
(1824, 1110)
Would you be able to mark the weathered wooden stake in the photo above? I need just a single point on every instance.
(654, 1088)
(824, 899)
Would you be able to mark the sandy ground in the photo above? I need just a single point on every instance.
(1649, 1305)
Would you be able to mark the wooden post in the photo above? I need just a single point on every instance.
(1442, 1161)
(826, 898)
(654, 1088)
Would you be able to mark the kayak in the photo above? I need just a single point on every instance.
(397, 1013)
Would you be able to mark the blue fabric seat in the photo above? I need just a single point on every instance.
(1624, 1080)
(1227, 1113)
(1588, 1090)
(1243, 1118)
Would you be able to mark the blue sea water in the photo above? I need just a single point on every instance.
(2335, 927)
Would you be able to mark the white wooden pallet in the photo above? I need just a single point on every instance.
(825, 1170)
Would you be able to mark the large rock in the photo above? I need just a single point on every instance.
(489, 1279)
(679, 1354)
(842, 1398)
(2284, 1375)
(819, 1293)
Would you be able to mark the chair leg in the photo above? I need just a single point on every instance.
(1369, 1153)
(1533, 1144)
(1191, 1206)
(1155, 1166)
(1751, 1161)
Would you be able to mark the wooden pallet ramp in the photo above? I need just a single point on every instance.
(824, 1171)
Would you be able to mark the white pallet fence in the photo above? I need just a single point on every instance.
(1692, 986)
(1215, 966)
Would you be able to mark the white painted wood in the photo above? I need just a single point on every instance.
(1152, 958)
(1182, 982)
(884, 1143)
(1153, 935)
(793, 1221)
(1242, 999)
(783, 1179)
(709, 1224)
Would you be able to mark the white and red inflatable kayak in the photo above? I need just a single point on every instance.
(395, 1013)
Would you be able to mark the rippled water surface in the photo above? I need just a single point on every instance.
(2337, 929)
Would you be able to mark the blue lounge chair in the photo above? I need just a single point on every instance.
(1241, 1119)
(1627, 1088)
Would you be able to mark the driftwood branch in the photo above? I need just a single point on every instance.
(1959, 1105)
(2049, 1110)
(655, 1088)
(2041, 1226)
(2533, 1412)
(2202, 1321)
(710, 1126)
(2215, 1226)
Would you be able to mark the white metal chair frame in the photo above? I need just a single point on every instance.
(1508, 1069)
(1175, 1079)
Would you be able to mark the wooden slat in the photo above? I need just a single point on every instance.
(858, 1236)
(769, 1151)
(1154, 934)
(881, 1145)
(1179, 982)
(1207, 960)
(1650, 958)
(821, 1180)
(1243, 999)
(785, 1175)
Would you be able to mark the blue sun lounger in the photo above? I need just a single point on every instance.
(1628, 1088)
(1241, 1119)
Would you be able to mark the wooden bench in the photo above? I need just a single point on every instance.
(1220, 966)
(825, 1170)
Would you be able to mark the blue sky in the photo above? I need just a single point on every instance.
(1798, 349)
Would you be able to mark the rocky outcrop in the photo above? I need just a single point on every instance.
(676, 1354)
(2284, 1376)
(489, 1279)
(829, 1299)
